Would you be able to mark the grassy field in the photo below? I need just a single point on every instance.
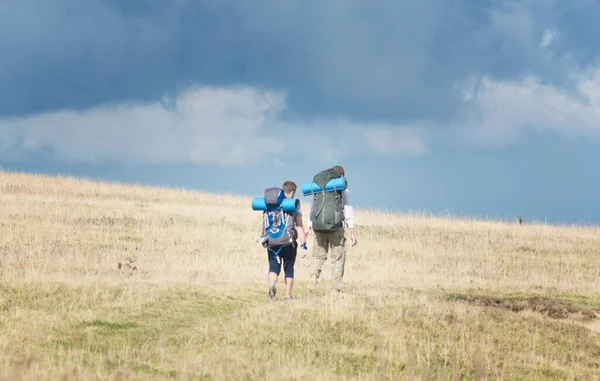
(114, 282)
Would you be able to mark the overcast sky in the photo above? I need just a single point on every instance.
(482, 108)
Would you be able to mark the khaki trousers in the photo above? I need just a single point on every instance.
(333, 243)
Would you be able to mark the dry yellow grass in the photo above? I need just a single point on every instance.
(110, 281)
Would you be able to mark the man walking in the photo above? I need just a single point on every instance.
(330, 212)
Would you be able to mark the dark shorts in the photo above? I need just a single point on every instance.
(287, 257)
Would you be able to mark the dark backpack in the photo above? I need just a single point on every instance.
(327, 212)
(279, 219)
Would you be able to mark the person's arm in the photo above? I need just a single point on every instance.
(301, 234)
(309, 223)
(349, 215)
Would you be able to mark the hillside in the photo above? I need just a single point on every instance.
(112, 281)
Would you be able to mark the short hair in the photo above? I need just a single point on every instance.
(339, 169)
(289, 186)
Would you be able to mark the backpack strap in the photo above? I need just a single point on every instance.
(322, 205)
(275, 252)
(276, 222)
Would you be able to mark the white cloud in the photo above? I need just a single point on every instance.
(548, 38)
(498, 112)
(5, 139)
(203, 125)
(391, 141)
(228, 126)
(342, 137)
(242, 125)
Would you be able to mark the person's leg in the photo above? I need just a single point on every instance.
(274, 270)
(273, 278)
(319, 252)
(338, 259)
(289, 260)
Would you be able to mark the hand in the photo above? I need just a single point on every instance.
(307, 231)
(353, 239)
(303, 255)
(304, 250)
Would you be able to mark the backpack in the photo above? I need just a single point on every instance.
(279, 219)
(327, 212)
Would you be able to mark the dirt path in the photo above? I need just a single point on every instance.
(593, 325)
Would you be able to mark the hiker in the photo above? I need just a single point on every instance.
(286, 254)
(329, 228)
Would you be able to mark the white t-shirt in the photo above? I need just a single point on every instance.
(348, 210)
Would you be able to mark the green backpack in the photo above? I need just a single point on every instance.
(327, 213)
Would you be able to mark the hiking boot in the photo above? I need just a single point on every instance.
(272, 293)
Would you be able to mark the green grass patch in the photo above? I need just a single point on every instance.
(148, 336)
(152, 371)
(177, 333)
(109, 325)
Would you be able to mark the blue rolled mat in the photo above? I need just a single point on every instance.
(288, 204)
(259, 203)
(312, 187)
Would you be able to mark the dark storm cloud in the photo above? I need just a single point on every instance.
(396, 61)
